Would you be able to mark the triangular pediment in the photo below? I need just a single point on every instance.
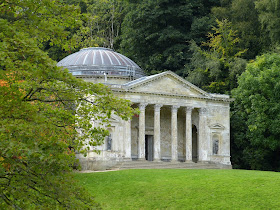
(166, 83)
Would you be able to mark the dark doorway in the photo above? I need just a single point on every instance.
(149, 147)
(194, 144)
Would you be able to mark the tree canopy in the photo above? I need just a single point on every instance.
(244, 18)
(217, 67)
(155, 33)
(270, 20)
(256, 114)
(46, 113)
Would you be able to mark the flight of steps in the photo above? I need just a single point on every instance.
(163, 165)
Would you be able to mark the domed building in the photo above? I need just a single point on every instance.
(179, 125)
(98, 64)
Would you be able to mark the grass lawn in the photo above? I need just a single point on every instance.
(184, 189)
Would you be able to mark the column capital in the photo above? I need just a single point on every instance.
(142, 106)
(189, 109)
(175, 108)
(157, 107)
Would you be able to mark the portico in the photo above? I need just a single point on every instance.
(157, 132)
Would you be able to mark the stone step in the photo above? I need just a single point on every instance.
(162, 165)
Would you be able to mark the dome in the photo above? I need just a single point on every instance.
(98, 60)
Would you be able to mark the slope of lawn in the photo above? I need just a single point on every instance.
(183, 189)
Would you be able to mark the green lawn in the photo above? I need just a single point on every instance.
(184, 189)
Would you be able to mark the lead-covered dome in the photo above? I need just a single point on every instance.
(98, 60)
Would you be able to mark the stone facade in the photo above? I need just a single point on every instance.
(177, 122)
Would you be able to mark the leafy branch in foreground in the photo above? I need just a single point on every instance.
(45, 112)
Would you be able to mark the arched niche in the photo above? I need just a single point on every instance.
(109, 140)
(216, 141)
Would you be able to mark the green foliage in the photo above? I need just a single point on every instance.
(99, 24)
(155, 33)
(269, 17)
(257, 110)
(223, 41)
(217, 68)
(50, 23)
(102, 23)
(184, 189)
(46, 113)
(244, 18)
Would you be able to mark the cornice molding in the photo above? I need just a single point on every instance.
(184, 82)
(228, 100)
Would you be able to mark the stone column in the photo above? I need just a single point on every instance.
(127, 143)
(189, 134)
(157, 155)
(202, 144)
(141, 138)
(174, 137)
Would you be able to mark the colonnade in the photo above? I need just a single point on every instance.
(174, 132)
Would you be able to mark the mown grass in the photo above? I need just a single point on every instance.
(184, 189)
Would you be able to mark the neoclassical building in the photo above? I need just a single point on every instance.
(178, 122)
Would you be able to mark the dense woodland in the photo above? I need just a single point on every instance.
(222, 46)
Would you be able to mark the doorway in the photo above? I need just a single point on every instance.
(194, 144)
(149, 147)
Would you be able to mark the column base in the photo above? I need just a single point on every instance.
(174, 161)
(157, 160)
(189, 161)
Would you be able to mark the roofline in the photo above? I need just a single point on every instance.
(157, 76)
(228, 100)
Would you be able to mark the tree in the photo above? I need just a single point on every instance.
(155, 33)
(244, 18)
(256, 115)
(104, 21)
(45, 113)
(99, 25)
(269, 17)
(51, 24)
(216, 68)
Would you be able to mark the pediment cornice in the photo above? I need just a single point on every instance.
(227, 100)
(170, 74)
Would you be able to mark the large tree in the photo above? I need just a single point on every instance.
(98, 25)
(216, 64)
(244, 18)
(46, 114)
(269, 17)
(256, 115)
(155, 33)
